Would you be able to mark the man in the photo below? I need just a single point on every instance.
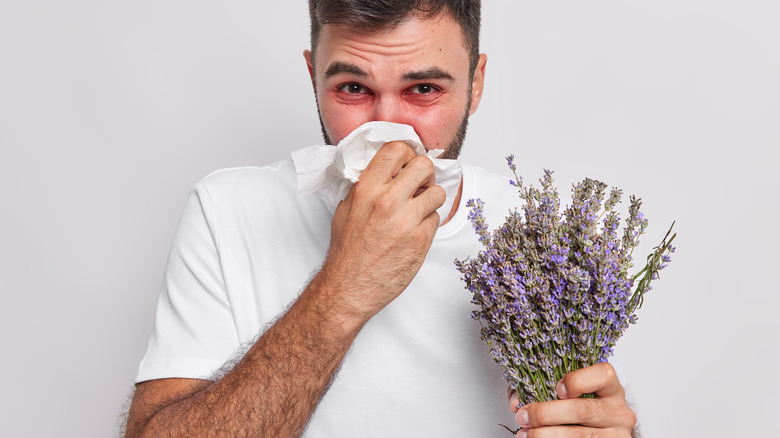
(386, 289)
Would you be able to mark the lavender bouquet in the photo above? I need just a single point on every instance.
(553, 289)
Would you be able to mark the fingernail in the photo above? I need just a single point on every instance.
(522, 418)
(561, 390)
(521, 434)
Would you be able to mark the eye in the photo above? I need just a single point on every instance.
(423, 89)
(353, 88)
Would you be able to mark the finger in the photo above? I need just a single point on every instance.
(388, 161)
(600, 378)
(514, 402)
(569, 431)
(584, 412)
(418, 173)
(430, 224)
(427, 202)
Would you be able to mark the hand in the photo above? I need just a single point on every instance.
(605, 416)
(383, 229)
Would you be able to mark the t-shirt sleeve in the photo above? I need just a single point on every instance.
(194, 332)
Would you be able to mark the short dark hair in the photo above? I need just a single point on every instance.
(376, 15)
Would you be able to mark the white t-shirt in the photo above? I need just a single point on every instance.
(247, 244)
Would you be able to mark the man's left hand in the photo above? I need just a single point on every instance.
(607, 415)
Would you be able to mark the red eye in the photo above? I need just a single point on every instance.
(423, 94)
(353, 93)
(422, 89)
(353, 88)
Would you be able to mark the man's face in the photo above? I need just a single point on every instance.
(416, 74)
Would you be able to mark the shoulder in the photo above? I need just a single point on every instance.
(248, 197)
(275, 178)
(266, 188)
(489, 180)
(494, 190)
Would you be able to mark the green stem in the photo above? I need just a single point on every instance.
(645, 275)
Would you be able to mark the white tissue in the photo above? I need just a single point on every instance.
(330, 171)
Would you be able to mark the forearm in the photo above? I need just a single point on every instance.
(275, 388)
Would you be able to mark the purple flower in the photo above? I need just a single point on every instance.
(552, 287)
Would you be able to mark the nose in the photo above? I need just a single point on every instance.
(388, 109)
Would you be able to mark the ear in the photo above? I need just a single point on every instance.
(309, 64)
(478, 83)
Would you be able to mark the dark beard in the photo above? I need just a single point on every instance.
(453, 150)
(451, 153)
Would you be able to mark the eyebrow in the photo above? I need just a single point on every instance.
(429, 73)
(343, 67)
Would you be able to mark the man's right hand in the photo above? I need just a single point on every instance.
(383, 230)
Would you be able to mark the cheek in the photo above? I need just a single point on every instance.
(340, 120)
(437, 128)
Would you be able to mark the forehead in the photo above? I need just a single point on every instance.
(434, 40)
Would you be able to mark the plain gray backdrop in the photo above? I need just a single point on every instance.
(110, 111)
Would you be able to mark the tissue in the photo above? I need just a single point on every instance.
(330, 171)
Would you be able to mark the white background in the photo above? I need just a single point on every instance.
(110, 111)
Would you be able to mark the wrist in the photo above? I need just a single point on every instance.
(324, 298)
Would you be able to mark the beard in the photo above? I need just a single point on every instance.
(453, 149)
